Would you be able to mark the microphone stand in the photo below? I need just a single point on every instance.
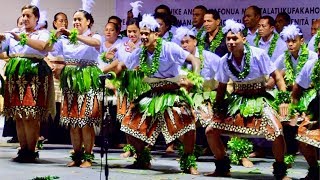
(107, 114)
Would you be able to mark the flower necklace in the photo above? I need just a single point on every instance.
(315, 76)
(316, 41)
(144, 67)
(216, 41)
(292, 73)
(244, 73)
(169, 37)
(272, 44)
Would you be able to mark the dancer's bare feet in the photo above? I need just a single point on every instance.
(257, 154)
(193, 171)
(170, 148)
(246, 163)
(125, 154)
(74, 164)
(86, 164)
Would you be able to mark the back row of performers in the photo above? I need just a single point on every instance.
(164, 87)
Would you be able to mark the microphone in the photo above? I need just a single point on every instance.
(109, 75)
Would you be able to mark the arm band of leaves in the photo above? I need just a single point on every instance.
(196, 80)
(52, 39)
(104, 59)
(23, 39)
(283, 97)
(73, 36)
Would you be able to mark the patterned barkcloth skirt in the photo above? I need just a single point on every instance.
(309, 130)
(170, 114)
(123, 105)
(251, 115)
(81, 101)
(132, 86)
(29, 89)
(203, 106)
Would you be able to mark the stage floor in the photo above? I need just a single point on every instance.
(53, 161)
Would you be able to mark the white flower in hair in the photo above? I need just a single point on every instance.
(43, 14)
(233, 26)
(290, 32)
(182, 32)
(148, 21)
(135, 8)
(42, 19)
(87, 5)
(35, 3)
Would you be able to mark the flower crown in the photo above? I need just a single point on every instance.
(290, 32)
(149, 22)
(233, 26)
(182, 32)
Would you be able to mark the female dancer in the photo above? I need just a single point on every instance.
(80, 85)
(29, 84)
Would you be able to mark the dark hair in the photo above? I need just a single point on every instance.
(88, 16)
(119, 21)
(215, 14)
(45, 25)
(35, 10)
(134, 21)
(256, 10)
(115, 26)
(270, 19)
(203, 8)
(162, 6)
(55, 18)
(286, 17)
(165, 18)
(18, 19)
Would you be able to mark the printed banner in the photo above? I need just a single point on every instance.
(301, 12)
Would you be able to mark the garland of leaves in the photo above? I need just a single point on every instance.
(315, 76)
(291, 73)
(216, 41)
(245, 32)
(199, 34)
(129, 148)
(240, 148)
(23, 39)
(76, 156)
(73, 37)
(169, 37)
(200, 50)
(144, 158)
(317, 40)
(52, 39)
(289, 159)
(244, 73)
(197, 150)
(88, 157)
(256, 40)
(46, 178)
(272, 44)
(155, 60)
(187, 161)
